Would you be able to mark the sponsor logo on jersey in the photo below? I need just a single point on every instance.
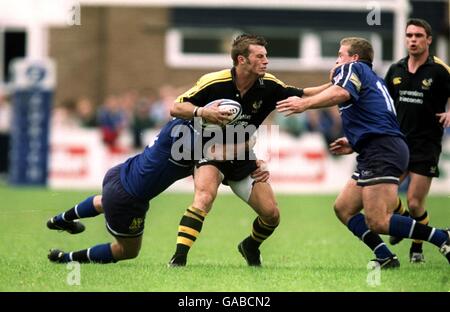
(397, 80)
(426, 83)
(256, 106)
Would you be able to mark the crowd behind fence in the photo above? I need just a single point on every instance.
(131, 113)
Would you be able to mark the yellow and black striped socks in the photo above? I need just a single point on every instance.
(401, 210)
(260, 232)
(190, 226)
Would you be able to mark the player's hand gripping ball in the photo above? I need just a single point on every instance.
(227, 105)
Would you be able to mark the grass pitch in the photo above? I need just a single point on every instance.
(310, 251)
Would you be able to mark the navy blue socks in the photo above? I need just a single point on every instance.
(409, 228)
(85, 209)
(357, 225)
(98, 254)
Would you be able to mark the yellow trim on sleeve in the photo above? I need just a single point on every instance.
(205, 81)
(271, 77)
(441, 62)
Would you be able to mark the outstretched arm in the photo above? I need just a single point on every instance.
(315, 90)
(331, 96)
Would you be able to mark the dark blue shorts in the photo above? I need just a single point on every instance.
(383, 159)
(124, 213)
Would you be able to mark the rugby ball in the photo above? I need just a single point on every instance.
(227, 105)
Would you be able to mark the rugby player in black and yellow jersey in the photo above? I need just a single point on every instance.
(420, 87)
(248, 83)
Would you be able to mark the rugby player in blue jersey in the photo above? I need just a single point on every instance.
(371, 130)
(127, 190)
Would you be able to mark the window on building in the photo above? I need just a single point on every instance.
(291, 51)
(13, 45)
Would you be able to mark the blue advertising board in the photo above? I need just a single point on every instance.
(33, 86)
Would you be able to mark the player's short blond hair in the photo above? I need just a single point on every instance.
(359, 46)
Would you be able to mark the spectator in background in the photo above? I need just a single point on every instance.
(141, 121)
(5, 127)
(295, 125)
(160, 109)
(127, 103)
(326, 121)
(112, 120)
(63, 115)
(85, 113)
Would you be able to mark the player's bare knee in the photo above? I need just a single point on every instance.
(204, 199)
(123, 252)
(272, 216)
(337, 209)
(117, 251)
(131, 253)
(340, 213)
(414, 205)
(97, 201)
(203, 203)
(377, 225)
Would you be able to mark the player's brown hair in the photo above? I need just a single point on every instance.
(420, 23)
(241, 45)
(359, 46)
